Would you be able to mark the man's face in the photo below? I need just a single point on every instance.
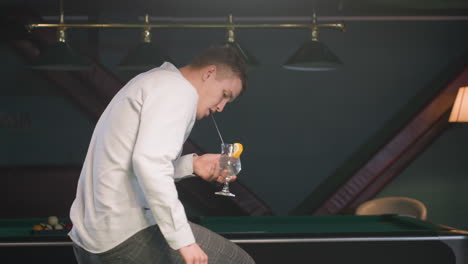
(216, 93)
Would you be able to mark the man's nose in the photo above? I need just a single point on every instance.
(220, 106)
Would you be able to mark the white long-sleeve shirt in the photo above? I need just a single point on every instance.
(132, 163)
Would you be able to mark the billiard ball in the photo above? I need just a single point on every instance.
(52, 220)
(46, 226)
(38, 228)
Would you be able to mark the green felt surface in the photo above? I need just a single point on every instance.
(22, 227)
(316, 224)
(265, 224)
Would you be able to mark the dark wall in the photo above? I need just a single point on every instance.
(438, 178)
(297, 127)
(38, 125)
(300, 127)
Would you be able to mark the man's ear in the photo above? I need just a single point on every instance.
(209, 72)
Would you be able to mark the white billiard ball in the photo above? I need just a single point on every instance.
(52, 220)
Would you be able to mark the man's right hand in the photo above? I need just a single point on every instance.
(193, 254)
(207, 167)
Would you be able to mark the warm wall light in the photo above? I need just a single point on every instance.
(460, 107)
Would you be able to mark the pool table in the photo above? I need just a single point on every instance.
(283, 239)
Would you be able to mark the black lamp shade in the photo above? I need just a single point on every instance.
(143, 57)
(313, 56)
(60, 57)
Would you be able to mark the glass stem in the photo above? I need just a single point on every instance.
(226, 187)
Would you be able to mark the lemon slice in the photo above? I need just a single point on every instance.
(238, 148)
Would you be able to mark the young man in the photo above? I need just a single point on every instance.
(126, 209)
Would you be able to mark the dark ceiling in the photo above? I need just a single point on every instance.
(216, 8)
